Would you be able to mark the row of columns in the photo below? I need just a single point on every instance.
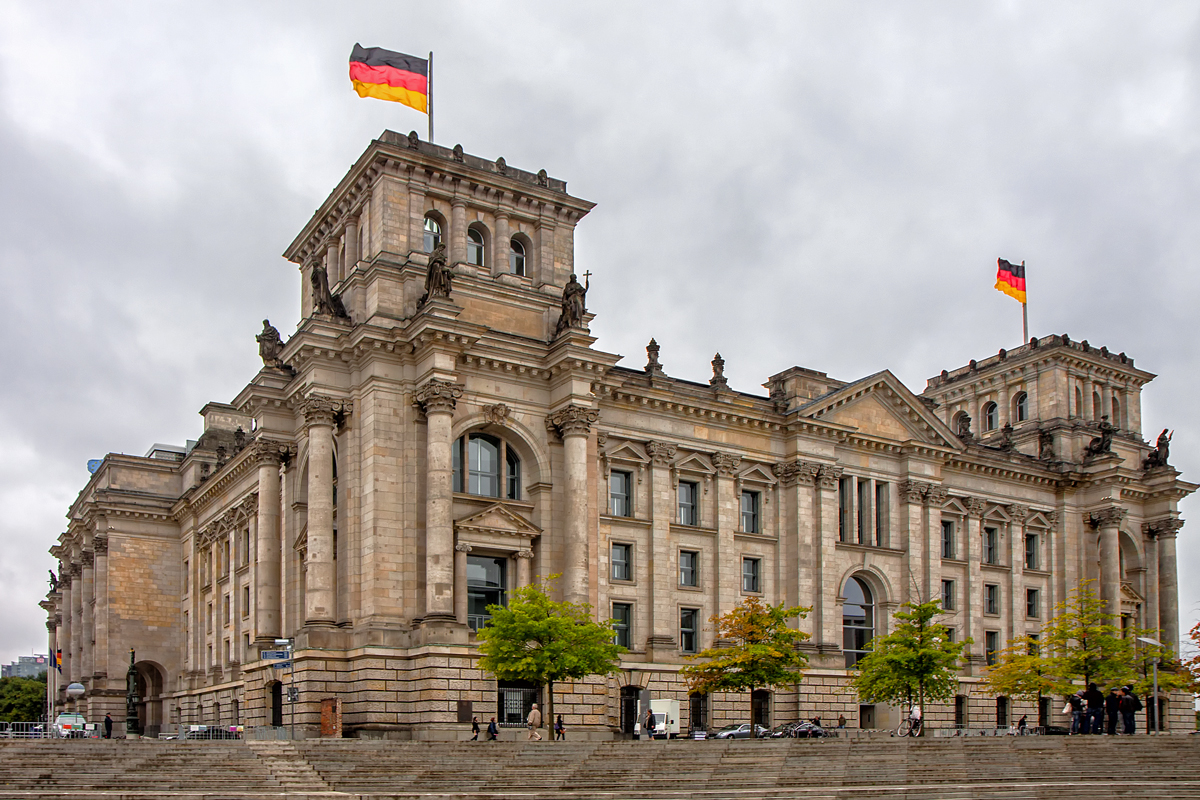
(77, 613)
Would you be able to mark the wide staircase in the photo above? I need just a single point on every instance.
(1003, 768)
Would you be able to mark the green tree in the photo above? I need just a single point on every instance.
(540, 640)
(22, 699)
(763, 651)
(917, 660)
(1021, 670)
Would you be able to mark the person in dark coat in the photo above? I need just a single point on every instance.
(1095, 710)
(1076, 703)
(474, 729)
(108, 726)
(560, 730)
(493, 731)
(1129, 706)
(1112, 710)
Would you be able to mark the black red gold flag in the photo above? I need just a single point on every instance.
(1010, 279)
(388, 75)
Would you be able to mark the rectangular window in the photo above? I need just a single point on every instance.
(623, 620)
(245, 601)
(228, 652)
(225, 559)
(245, 546)
(948, 595)
(210, 661)
(845, 508)
(881, 514)
(750, 512)
(947, 538)
(689, 568)
(1031, 551)
(1035, 645)
(864, 511)
(619, 501)
(751, 575)
(225, 610)
(688, 640)
(991, 546)
(208, 618)
(622, 566)
(950, 634)
(991, 598)
(1033, 606)
(245, 647)
(187, 575)
(991, 646)
(687, 503)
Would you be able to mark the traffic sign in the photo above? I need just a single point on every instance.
(281, 664)
(270, 655)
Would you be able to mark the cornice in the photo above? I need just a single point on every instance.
(211, 490)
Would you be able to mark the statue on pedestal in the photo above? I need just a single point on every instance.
(1158, 456)
(573, 307)
(1103, 442)
(439, 278)
(325, 301)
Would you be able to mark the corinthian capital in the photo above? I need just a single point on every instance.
(319, 409)
(726, 463)
(1106, 517)
(573, 420)
(913, 491)
(272, 451)
(100, 544)
(791, 473)
(829, 476)
(935, 496)
(438, 397)
(1018, 512)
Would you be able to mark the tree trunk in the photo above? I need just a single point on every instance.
(549, 719)
(753, 727)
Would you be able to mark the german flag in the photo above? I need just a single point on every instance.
(1010, 279)
(388, 75)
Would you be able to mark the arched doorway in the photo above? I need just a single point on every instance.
(858, 620)
(150, 698)
(277, 704)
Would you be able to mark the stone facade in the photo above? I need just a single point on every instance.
(390, 472)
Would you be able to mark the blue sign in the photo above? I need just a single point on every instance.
(281, 664)
(269, 655)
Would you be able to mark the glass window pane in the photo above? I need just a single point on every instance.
(483, 466)
(433, 234)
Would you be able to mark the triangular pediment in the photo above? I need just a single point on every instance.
(757, 474)
(881, 407)
(498, 519)
(627, 451)
(1037, 520)
(695, 462)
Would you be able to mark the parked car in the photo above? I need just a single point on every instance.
(741, 732)
(809, 730)
(70, 726)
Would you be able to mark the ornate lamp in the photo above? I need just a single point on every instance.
(132, 726)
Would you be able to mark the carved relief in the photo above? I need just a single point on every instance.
(496, 414)
(718, 379)
(437, 397)
(791, 473)
(100, 544)
(462, 548)
(272, 451)
(88, 558)
(573, 420)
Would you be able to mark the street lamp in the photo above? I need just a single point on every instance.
(1155, 707)
(133, 728)
(74, 691)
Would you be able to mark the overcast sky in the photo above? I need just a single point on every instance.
(823, 184)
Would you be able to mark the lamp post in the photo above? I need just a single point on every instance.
(1155, 707)
(74, 691)
(132, 728)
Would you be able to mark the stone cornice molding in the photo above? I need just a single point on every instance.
(1111, 516)
(726, 464)
(913, 491)
(573, 420)
(321, 409)
(829, 476)
(437, 397)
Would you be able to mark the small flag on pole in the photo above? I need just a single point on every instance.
(58, 660)
(1010, 279)
(388, 75)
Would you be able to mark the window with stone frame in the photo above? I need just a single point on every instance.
(1021, 407)
(750, 508)
(1031, 551)
(991, 545)
(948, 548)
(991, 417)
(476, 246)
(620, 497)
(845, 508)
(225, 615)
(486, 466)
(687, 495)
(244, 555)
(622, 561)
(689, 630)
(991, 598)
(1033, 603)
(208, 619)
(433, 233)
(516, 257)
(245, 601)
(948, 596)
(226, 560)
(991, 646)
(689, 568)
(622, 614)
(187, 576)
(752, 575)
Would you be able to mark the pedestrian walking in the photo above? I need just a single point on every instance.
(1022, 723)
(648, 728)
(108, 726)
(1095, 710)
(560, 730)
(534, 721)
(841, 720)
(1075, 705)
(493, 732)
(474, 729)
(1112, 710)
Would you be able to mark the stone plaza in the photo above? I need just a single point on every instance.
(441, 430)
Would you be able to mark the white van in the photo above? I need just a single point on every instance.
(70, 726)
(666, 718)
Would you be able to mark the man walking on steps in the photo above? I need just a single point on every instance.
(534, 720)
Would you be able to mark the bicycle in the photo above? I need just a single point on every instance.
(909, 726)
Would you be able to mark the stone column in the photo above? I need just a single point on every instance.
(1150, 547)
(320, 578)
(61, 635)
(87, 632)
(1089, 409)
(1168, 583)
(460, 582)
(500, 246)
(333, 266)
(1016, 582)
(797, 480)
(1106, 396)
(658, 559)
(524, 568)
(827, 624)
(76, 621)
(973, 596)
(458, 231)
(1108, 520)
(1003, 417)
(351, 240)
(100, 614)
(268, 577)
(912, 533)
(51, 672)
(574, 424)
(438, 399)
(935, 498)
(727, 566)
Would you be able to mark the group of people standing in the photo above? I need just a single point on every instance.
(1090, 709)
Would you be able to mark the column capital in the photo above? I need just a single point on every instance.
(526, 554)
(321, 409)
(100, 544)
(1105, 517)
(975, 506)
(935, 495)
(462, 547)
(272, 452)
(88, 558)
(572, 420)
(913, 491)
(1052, 518)
(726, 463)
(75, 570)
(437, 397)
(829, 476)
(791, 473)
(1162, 528)
(1018, 512)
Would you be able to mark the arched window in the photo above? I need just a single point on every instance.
(858, 620)
(516, 257)
(484, 465)
(1097, 406)
(475, 247)
(1078, 402)
(433, 234)
(991, 417)
(1116, 413)
(1021, 407)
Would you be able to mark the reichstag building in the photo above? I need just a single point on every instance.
(440, 430)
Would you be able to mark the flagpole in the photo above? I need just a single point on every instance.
(430, 93)
(1025, 308)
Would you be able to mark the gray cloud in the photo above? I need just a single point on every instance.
(825, 184)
